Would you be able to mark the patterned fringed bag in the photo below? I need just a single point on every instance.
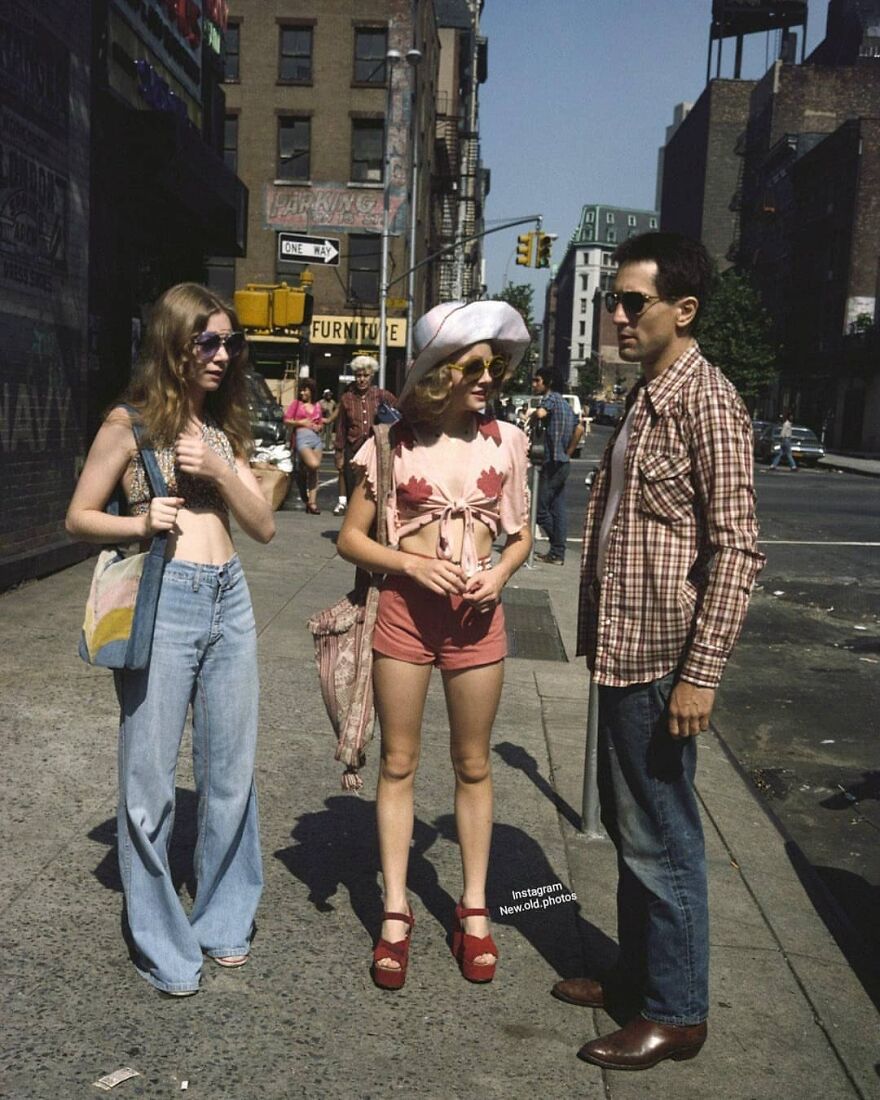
(343, 637)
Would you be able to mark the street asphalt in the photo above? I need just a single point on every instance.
(789, 1018)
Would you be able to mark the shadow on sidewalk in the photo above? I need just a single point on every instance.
(337, 847)
(515, 756)
(180, 848)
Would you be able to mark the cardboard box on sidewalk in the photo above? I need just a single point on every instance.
(273, 482)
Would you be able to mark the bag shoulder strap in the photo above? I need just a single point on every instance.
(384, 475)
(158, 487)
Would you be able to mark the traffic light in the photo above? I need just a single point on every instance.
(524, 243)
(288, 306)
(545, 245)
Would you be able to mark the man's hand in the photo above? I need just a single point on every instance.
(689, 709)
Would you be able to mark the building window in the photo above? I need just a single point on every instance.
(606, 257)
(367, 150)
(609, 218)
(585, 283)
(232, 46)
(582, 328)
(580, 351)
(652, 223)
(630, 219)
(294, 141)
(611, 236)
(295, 55)
(591, 216)
(230, 141)
(589, 233)
(221, 276)
(584, 303)
(363, 269)
(370, 47)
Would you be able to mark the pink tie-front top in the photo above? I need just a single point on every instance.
(493, 486)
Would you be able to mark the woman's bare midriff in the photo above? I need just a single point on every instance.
(203, 537)
(424, 541)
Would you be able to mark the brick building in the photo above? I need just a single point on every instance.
(309, 96)
(702, 169)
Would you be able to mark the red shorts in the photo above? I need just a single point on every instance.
(424, 628)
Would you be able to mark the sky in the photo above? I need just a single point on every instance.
(577, 102)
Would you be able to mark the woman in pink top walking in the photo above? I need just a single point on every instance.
(459, 480)
(305, 415)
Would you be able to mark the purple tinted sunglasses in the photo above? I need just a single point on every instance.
(208, 344)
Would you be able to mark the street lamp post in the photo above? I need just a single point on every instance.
(413, 57)
(391, 58)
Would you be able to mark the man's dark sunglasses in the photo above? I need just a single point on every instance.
(208, 344)
(633, 301)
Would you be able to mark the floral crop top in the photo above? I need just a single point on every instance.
(495, 490)
(196, 491)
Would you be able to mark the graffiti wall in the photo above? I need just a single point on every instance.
(44, 150)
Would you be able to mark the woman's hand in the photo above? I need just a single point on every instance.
(483, 590)
(195, 457)
(437, 575)
(162, 515)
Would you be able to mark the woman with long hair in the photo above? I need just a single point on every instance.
(189, 401)
(459, 480)
(305, 415)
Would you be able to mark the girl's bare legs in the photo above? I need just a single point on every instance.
(400, 691)
(472, 697)
(311, 460)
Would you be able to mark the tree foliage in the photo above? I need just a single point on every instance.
(520, 296)
(735, 334)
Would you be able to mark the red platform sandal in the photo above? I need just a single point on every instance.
(384, 976)
(467, 948)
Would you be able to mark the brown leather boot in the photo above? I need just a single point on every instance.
(585, 992)
(643, 1043)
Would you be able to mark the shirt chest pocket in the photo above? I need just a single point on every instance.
(665, 489)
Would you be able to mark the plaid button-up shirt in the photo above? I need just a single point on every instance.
(682, 552)
(560, 423)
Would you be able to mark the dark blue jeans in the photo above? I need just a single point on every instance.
(551, 505)
(649, 808)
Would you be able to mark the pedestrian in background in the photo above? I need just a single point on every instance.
(191, 402)
(459, 480)
(355, 419)
(784, 444)
(329, 410)
(669, 559)
(305, 416)
(562, 435)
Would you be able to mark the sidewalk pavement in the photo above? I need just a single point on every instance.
(852, 464)
(788, 1017)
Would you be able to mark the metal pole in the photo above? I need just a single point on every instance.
(391, 57)
(534, 477)
(413, 57)
(591, 825)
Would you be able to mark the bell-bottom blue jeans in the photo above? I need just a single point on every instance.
(649, 808)
(204, 655)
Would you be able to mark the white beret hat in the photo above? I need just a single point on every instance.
(451, 326)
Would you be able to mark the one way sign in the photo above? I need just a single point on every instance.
(298, 248)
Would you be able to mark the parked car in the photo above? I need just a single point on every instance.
(607, 412)
(758, 427)
(805, 447)
(267, 416)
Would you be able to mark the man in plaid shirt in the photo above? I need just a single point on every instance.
(562, 434)
(670, 556)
